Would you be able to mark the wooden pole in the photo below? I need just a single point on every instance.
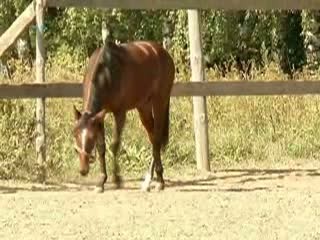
(40, 102)
(166, 34)
(199, 103)
(10, 36)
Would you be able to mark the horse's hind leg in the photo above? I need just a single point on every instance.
(119, 124)
(161, 107)
(145, 113)
(160, 111)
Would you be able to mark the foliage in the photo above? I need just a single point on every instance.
(261, 44)
(241, 129)
(242, 36)
(17, 137)
(292, 52)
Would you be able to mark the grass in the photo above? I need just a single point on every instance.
(242, 130)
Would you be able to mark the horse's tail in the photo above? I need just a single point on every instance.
(171, 70)
(165, 131)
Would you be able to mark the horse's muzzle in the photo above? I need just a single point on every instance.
(91, 157)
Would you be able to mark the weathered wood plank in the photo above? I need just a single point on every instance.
(200, 118)
(41, 90)
(235, 88)
(40, 102)
(190, 4)
(9, 37)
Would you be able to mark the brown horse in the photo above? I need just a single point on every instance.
(137, 75)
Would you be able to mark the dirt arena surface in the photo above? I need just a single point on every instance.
(232, 204)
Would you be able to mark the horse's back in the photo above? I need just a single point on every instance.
(138, 70)
(150, 60)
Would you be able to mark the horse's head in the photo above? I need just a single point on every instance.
(86, 130)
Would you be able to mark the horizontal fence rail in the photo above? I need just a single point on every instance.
(74, 90)
(190, 4)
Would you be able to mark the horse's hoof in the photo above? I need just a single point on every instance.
(117, 180)
(118, 185)
(99, 189)
(159, 186)
(145, 188)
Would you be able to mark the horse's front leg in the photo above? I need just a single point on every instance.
(119, 124)
(101, 149)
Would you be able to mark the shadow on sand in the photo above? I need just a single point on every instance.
(205, 184)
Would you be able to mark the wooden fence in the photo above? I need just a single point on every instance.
(216, 88)
(197, 88)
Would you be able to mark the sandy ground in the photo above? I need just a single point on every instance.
(230, 204)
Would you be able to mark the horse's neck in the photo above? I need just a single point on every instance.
(101, 92)
(94, 102)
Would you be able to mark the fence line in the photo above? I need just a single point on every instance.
(189, 89)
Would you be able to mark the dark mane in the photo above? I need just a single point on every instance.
(113, 60)
(95, 104)
(108, 57)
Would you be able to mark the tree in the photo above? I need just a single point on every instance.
(292, 53)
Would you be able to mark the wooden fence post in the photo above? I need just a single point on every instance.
(199, 103)
(166, 41)
(40, 102)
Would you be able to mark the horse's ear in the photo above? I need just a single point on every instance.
(99, 116)
(76, 113)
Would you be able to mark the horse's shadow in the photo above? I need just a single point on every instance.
(240, 177)
(50, 187)
(205, 184)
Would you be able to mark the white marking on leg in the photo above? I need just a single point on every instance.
(146, 183)
(99, 189)
(84, 134)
